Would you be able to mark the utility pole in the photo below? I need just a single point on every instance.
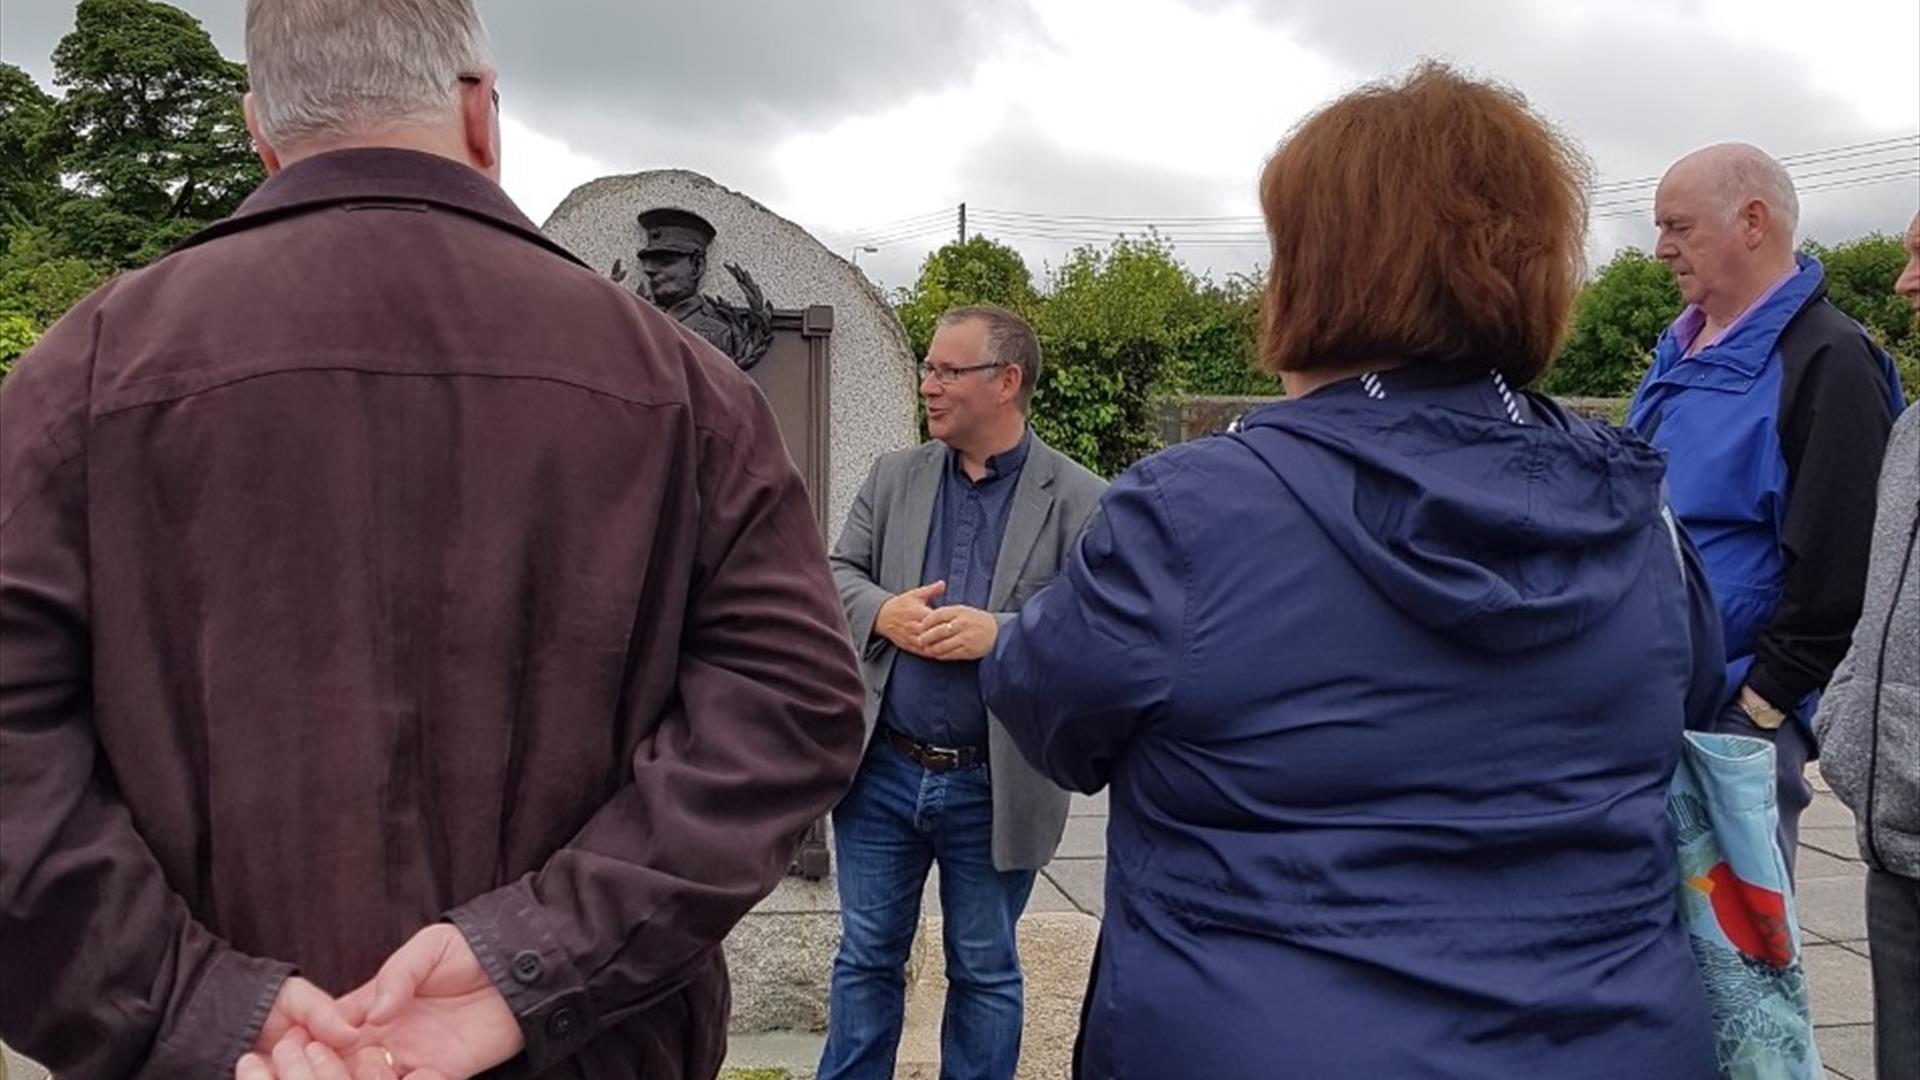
(963, 223)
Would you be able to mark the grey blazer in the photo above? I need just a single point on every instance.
(882, 552)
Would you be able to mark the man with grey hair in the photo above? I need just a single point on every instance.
(943, 544)
(1774, 409)
(386, 596)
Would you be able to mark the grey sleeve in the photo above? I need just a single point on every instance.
(855, 562)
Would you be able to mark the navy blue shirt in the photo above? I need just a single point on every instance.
(938, 701)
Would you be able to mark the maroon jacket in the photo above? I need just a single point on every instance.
(370, 562)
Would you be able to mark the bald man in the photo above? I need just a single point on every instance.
(1773, 408)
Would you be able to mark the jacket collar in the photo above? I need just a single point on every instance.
(1758, 331)
(378, 174)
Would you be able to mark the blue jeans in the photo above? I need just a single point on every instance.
(895, 823)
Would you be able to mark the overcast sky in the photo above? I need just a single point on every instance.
(868, 121)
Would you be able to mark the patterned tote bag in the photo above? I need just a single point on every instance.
(1736, 899)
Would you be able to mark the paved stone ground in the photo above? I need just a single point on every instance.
(1830, 887)
(1832, 914)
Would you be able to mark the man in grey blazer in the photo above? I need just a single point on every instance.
(942, 546)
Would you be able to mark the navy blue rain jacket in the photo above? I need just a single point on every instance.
(1388, 687)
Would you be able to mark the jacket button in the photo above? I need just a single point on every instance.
(528, 968)
(563, 1023)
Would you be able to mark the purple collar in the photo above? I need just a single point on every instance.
(1687, 328)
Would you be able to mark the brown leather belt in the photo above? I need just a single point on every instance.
(938, 758)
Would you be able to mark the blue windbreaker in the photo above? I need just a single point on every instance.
(1717, 415)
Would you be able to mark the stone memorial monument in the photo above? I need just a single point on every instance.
(803, 323)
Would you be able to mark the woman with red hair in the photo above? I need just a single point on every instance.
(1388, 684)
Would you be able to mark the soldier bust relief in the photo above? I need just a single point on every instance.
(673, 261)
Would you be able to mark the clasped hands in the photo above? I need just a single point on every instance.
(430, 1013)
(955, 632)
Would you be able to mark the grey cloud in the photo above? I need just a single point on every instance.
(712, 85)
(1636, 100)
(797, 62)
(703, 63)
(643, 83)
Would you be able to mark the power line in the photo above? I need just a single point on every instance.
(1891, 171)
(1646, 206)
(1616, 191)
(940, 220)
(1228, 223)
(1070, 234)
(1863, 166)
(1097, 236)
(1170, 220)
(936, 229)
(1809, 157)
(1615, 200)
(1217, 229)
(1865, 181)
(1618, 187)
(1791, 158)
(916, 219)
(1069, 228)
(1798, 177)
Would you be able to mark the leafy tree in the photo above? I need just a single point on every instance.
(40, 283)
(29, 171)
(147, 146)
(1222, 343)
(1111, 330)
(37, 285)
(17, 335)
(1616, 321)
(150, 128)
(980, 271)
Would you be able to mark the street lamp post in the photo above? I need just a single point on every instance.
(869, 249)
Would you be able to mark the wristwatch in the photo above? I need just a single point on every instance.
(1760, 710)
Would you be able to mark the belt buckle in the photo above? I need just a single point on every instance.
(941, 757)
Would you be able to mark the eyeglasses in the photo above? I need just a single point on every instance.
(494, 91)
(947, 376)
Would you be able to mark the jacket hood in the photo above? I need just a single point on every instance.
(1501, 535)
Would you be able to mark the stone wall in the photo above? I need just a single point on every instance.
(1186, 418)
